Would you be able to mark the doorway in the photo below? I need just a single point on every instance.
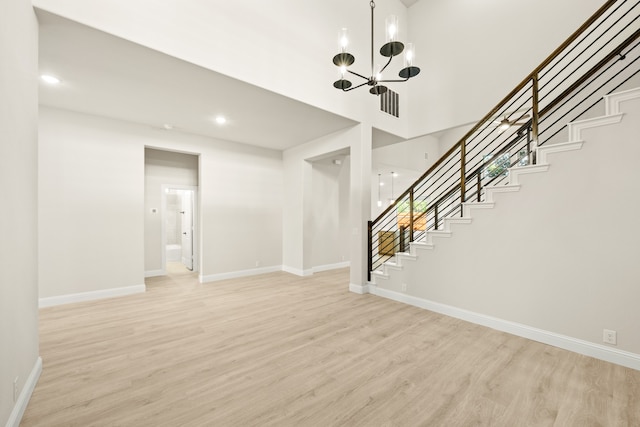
(179, 226)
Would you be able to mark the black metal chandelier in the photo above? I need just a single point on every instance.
(391, 48)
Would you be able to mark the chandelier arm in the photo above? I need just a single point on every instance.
(359, 75)
(393, 81)
(354, 87)
(387, 64)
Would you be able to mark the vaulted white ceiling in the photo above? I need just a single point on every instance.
(104, 75)
(409, 3)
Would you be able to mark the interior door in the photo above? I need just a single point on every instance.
(187, 229)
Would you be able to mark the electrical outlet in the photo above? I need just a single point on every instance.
(609, 337)
(404, 287)
(257, 263)
(15, 390)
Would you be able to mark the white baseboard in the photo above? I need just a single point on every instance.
(297, 271)
(329, 267)
(608, 354)
(155, 273)
(25, 395)
(286, 269)
(359, 289)
(237, 274)
(90, 296)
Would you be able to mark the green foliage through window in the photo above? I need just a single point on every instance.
(499, 166)
(418, 206)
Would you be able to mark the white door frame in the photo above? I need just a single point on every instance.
(196, 224)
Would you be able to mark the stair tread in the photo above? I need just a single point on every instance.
(421, 244)
(405, 255)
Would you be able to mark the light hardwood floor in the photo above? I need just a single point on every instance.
(279, 350)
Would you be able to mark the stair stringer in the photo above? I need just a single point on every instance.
(537, 261)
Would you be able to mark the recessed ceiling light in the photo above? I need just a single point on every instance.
(52, 80)
(221, 120)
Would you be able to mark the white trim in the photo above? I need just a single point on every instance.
(329, 267)
(576, 128)
(515, 173)
(422, 245)
(561, 147)
(238, 274)
(265, 270)
(90, 296)
(608, 354)
(360, 289)
(25, 395)
(612, 101)
(155, 273)
(379, 274)
(297, 271)
(490, 191)
(468, 206)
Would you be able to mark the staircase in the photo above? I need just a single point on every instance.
(557, 259)
(552, 255)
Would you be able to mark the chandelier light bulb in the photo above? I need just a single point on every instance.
(409, 55)
(344, 39)
(392, 28)
(343, 71)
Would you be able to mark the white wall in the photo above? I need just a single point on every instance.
(18, 197)
(344, 209)
(560, 255)
(92, 202)
(162, 168)
(298, 206)
(474, 53)
(449, 137)
(300, 203)
(91, 196)
(329, 213)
